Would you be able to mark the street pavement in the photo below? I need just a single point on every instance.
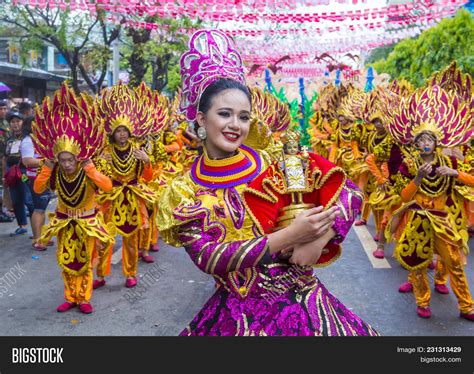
(172, 290)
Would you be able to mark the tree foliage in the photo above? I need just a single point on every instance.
(83, 39)
(434, 49)
(154, 55)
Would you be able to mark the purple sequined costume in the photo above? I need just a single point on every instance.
(257, 293)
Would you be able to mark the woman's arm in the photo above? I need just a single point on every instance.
(202, 242)
(31, 162)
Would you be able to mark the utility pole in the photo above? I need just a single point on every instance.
(116, 61)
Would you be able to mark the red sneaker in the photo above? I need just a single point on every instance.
(98, 283)
(441, 288)
(377, 237)
(361, 222)
(148, 259)
(130, 282)
(86, 308)
(154, 247)
(424, 312)
(64, 307)
(405, 287)
(379, 253)
(469, 316)
(50, 243)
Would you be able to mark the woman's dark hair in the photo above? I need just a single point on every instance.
(26, 128)
(216, 88)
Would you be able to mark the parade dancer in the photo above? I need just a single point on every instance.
(67, 134)
(127, 116)
(424, 226)
(383, 161)
(205, 211)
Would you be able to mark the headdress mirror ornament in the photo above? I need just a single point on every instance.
(211, 56)
(67, 124)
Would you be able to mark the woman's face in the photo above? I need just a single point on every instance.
(426, 144)
(227, 123)
(67, 162)
(121, 135)
(15, 124)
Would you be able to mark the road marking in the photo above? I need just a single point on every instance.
(368, 243)
(117, 256)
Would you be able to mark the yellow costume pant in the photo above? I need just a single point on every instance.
(129, 257)
(130, 254)
(78, 288)
(453, 262)
(105, 258)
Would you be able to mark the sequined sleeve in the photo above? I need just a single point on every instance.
(349, 203)
(179, 192)
(212, 257)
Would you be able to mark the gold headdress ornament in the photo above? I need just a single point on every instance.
(269, 115)
(352, 104)
(326, 99)
(290, 136)
(401, 87)
(452, 79)
(380, 103)
(159, 108)
(175, 115)
(432, 110)
(68, 124)
(121, 105)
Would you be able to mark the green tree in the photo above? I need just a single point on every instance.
(434, 49)
(83, 39)
(154, 55)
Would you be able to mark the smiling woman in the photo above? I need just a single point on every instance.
(258, 291)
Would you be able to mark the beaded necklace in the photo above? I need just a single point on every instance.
(76, 181)
(435, 185)
(124, 166)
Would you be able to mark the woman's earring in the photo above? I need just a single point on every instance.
(202, 133)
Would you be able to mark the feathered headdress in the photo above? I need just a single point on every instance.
(269, 115)
(211, 56)
(68, 124)
(159, 107)
(452, 79)
(352, 104)
(380, 103)
(120, 105)
(433, 110)
(401, 87)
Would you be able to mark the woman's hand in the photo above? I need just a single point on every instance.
(445, 170)
(107, 157)
(312, 224)
(307, 254)
(141, 155)
(307, 226)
